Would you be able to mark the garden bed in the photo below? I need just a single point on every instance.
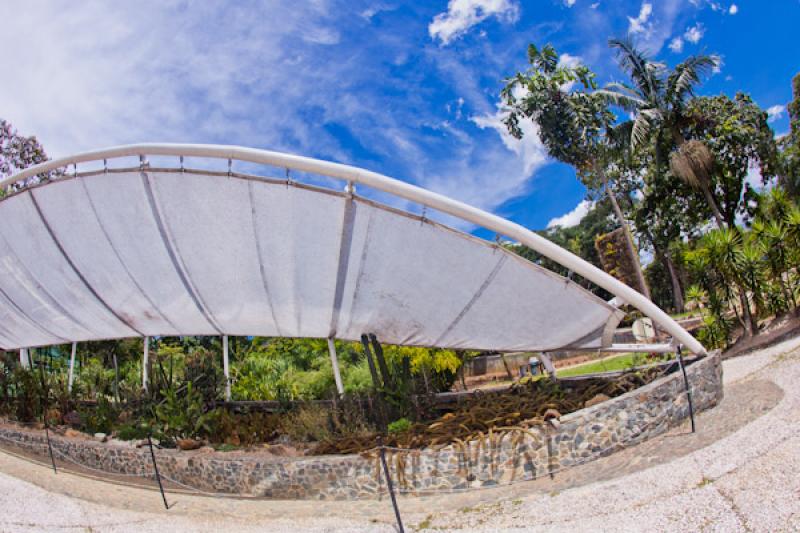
(496, 457)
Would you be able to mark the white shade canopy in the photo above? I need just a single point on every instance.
(143, 253)
(147, 252)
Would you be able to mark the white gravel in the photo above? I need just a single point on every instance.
(747, 481)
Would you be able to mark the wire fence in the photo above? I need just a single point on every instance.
(400, 477)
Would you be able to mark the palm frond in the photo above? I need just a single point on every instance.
(640, 131)
(623, 88)
(686, 75)
(625, 101)
(639, 67)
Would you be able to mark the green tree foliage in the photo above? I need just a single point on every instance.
(734, 268)
(737, 133)
(657, 96)
(578, 239)
(18, 152)
(790, 144)
(574, 125)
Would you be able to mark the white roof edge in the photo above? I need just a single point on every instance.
(398, 188)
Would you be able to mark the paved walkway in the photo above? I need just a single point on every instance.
(739, 472)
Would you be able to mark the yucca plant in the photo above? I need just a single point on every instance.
(773, 237)
(723, 247)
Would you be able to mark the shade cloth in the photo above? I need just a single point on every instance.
(135, 253)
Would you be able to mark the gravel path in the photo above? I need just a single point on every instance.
(740, 472)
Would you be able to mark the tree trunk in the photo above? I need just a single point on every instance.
(505, 364)
(628, 236)
(750, 320)
(712, 203)
(677, 292)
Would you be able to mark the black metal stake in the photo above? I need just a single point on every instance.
(44, 415)
(382, 408)
(158, 476)
(50, 448)
(390, 485)
(378, 349)
(686, 386)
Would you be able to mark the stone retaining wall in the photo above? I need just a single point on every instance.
(495, 460)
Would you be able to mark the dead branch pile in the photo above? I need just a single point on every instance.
(522, 406)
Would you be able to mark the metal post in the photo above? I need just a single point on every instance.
(72, 367)
(378, 349)
(373, 372)
(382, 451)
(225, 368)
(686, 386)
(24, 358)
(44, 416)
(382, 410)
(145, 358)
(548, 364)
(155, 468)
(335, 364)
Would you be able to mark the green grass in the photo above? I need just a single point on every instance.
(620, 362)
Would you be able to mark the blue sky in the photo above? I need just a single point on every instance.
(407, 89)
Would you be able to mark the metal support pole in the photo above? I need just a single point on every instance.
(72, 367)
(382, 451)
(145, 358)
(24, 358)
(378, 350)
(335, 364)
(548, 364)
(225, 368)
(382, 409)
(155, 468)
(373, 372)
(686, 386)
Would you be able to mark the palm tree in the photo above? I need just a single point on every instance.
(657, 98)
(574, 126)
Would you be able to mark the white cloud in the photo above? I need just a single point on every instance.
(694, 33)
(775, 112)
(568, 60)
(573, 218)
(462, 15)
(144, 78)
(569, 3)
(595, 5)
(733, 9)
(676, 45)
(640, 24)
(653, 26)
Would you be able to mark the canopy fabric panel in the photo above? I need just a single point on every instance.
(135, 253)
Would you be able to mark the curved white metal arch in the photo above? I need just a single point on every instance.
(398, 188)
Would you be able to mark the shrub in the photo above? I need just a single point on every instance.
(100, 418)
(244, 429)
(400, 425)
(307, 423)
(180, 415)
(27, 395)
(132, 432)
